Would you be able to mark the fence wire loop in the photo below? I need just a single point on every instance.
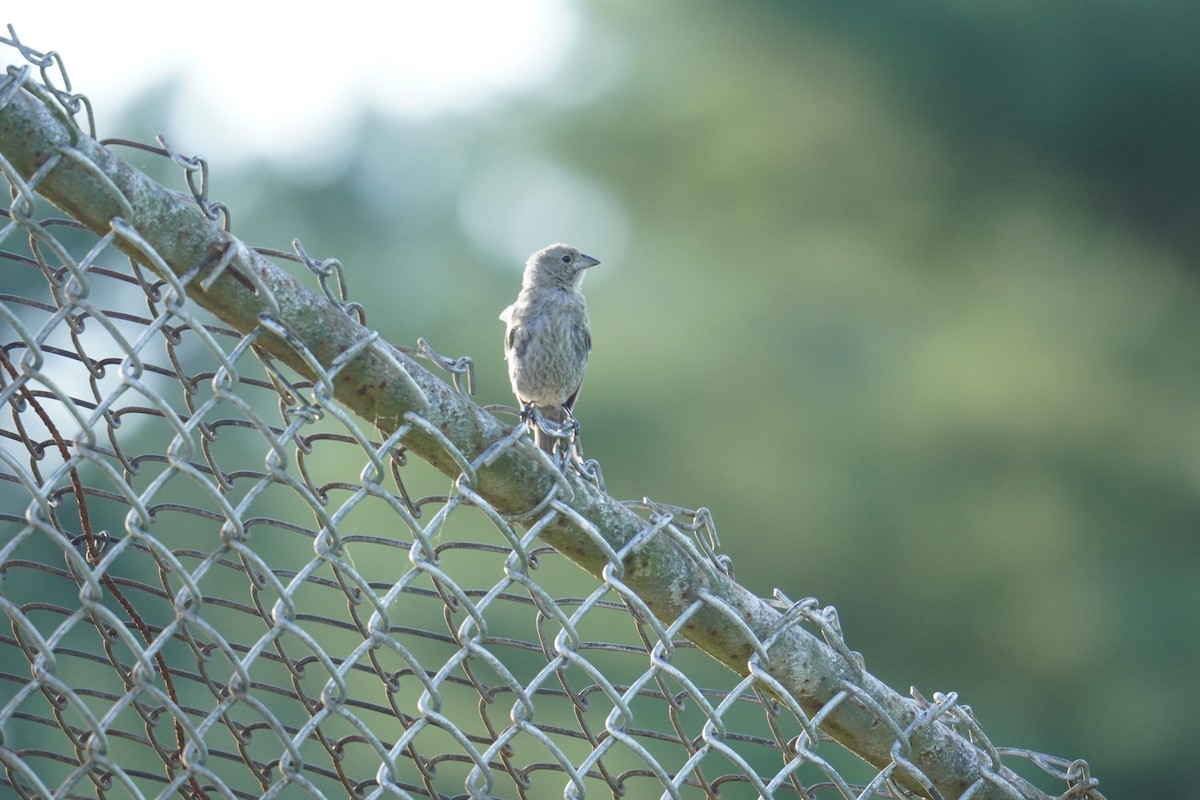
(461, 369)
(221, 581)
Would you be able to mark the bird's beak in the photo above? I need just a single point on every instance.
(586, 261)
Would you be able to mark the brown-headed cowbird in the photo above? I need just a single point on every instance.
(548, 338)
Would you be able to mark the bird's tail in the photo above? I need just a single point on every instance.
(558, 417)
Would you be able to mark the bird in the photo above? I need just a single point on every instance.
(547, 339)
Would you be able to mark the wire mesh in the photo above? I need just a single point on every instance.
(222, 582)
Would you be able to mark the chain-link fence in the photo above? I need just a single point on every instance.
(249, 549)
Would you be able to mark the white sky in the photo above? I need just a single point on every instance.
(265, 76)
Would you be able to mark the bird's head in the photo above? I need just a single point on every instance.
(557, 265)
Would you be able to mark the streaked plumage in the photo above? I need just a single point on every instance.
(548, 337)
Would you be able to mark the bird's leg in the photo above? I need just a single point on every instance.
(574, 436)
(574, 422)
(526, 414)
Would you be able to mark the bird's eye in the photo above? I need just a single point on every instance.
(566, 259)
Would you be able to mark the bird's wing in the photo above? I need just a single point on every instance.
(510, 331)
(516, 339)
(570, 402)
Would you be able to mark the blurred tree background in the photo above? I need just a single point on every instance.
(905, 293)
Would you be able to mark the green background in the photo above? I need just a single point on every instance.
(905, 293)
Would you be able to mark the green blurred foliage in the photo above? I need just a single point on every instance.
(904, 293)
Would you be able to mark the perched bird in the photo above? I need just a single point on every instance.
(548, 338)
